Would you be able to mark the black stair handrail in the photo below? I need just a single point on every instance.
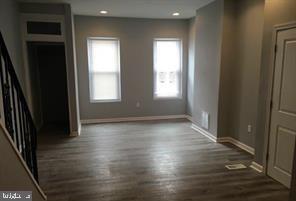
(18, 119)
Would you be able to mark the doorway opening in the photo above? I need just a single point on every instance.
(48, 82)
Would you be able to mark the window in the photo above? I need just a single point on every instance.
(167, 68)
(51, 28)
(104, 69)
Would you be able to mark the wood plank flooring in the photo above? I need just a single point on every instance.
(147, 161)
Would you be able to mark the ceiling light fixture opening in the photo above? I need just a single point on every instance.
(103, 12)
(176, 14)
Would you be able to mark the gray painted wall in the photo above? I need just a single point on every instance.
(63, 9)
(250, 17)
(191, 65)
(136, 47)
(207, 63)
(42, 8)
(275, 12)
(10, 29)
(228, 62)
(244, 80)
(240, 68)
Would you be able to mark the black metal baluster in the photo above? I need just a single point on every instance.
(20, 109)
(14, 113)
(2, 83)
(24, 132)
(26, 150)
(34, 150)
(34, 132)
(30, 146)
(4, 91)
(8, 115)
(27, 145)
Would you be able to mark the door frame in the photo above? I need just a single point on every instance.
(276, 29)
(25, 38)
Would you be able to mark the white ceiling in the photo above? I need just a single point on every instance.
(134, 8)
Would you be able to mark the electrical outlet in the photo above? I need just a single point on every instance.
(138, 104)
(249, 128)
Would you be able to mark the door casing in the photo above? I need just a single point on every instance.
(44, 38)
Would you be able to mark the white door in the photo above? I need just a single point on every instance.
(283, 113)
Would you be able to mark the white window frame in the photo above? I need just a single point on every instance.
(89, 39)
(180, 96)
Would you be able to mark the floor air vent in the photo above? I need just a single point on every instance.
(235, 166)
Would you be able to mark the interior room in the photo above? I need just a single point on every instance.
(148, 100)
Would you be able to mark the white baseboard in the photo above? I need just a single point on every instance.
(128, 119)
(237, 143)
(257, 167)
(189, 118)
(76, 133)
(204, 132)
(213, 138)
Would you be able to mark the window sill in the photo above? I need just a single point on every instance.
(168, 98)
(105, 101)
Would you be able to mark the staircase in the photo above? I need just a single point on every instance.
(17, 117)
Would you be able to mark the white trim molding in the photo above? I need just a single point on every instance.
(237, 143)
(26, 37)
(231, 140)
(256, 167)
(76, 133)
(204, 132)
(25, 18)
(79, 128)
(128, 119)
(189, 118)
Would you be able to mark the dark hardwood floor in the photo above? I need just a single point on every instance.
(155, 161)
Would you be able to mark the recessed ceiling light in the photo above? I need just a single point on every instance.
(103, 12)
(176, 14)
